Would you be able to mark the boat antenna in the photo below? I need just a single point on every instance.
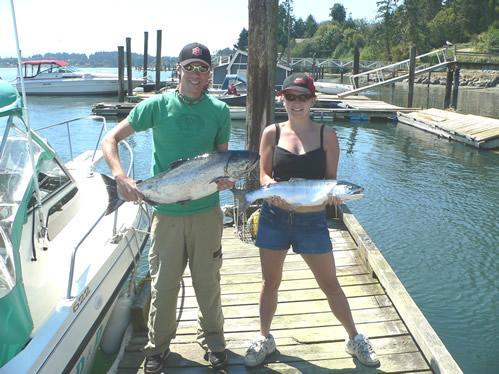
(42, 233)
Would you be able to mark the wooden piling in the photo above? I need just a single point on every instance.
(455, 87)
(121, 73)
(158, 60)
(412, 69)
(129, 66)
(261, 68)
(146, 41)
(262, 57)
(356, 64)
(448, 86)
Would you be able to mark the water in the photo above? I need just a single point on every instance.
(430, 206)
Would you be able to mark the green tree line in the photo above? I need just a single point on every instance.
(399, 24)
(98, 59)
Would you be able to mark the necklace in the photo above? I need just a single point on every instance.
(187, 100)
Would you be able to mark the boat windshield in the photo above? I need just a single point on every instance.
(32, 70)
(15, 176)
(66, 69)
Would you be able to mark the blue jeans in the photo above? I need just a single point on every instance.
(307, 233)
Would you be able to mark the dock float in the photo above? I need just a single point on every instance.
(353, 109)
(477, 131)
(309, 338)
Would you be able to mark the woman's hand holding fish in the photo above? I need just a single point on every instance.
(333, 200)
(127, 188)
(279, 202)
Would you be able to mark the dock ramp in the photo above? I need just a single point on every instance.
(438, 60)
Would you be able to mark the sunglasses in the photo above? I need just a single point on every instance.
(193, 68)
(302, 98)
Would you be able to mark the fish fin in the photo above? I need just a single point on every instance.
(177, 163)
(240, 196)
(114, 201)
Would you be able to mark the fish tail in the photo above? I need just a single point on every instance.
(112, 191)
(242, 203)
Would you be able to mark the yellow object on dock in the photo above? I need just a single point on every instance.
(477, 131)
(309, 338)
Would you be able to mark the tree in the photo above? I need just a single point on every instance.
(299, 29)
(284, 25)
(338, 13)
(413, 25)
(242, 42)
(386, 9)
(311, 26)
(446, 25)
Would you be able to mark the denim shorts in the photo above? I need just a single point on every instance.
(279, 229)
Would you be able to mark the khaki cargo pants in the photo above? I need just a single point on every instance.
(175, 242)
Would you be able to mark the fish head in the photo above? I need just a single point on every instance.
(348, 191)
(240, 163)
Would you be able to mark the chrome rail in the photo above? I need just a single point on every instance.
(130, 170)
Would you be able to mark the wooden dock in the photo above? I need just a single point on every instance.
(309, 338)
(329, 107)
(354, 108)
(477, 131)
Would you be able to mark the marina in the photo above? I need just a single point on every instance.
(415, 254)
(309, 339)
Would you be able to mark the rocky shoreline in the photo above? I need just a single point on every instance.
(479, 79)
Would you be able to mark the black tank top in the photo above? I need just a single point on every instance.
(287, 165)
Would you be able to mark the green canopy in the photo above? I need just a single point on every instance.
(10, 100)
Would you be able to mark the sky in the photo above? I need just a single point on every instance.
(102, 25)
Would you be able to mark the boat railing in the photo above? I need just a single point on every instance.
(103, 129)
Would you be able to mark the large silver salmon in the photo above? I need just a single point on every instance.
(301, 192)
(188, 179)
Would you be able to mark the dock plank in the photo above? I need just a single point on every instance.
(477, 131)
(308, 336)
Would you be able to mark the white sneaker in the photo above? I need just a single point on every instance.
(259, 348)
(361, 347)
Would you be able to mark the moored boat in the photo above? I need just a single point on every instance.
(62, 262)
(332, 88)
(58, 77)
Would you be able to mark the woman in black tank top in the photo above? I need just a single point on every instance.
(299, 148)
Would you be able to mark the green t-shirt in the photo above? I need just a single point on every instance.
(181, 131)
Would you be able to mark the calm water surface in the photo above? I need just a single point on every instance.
(430, 206)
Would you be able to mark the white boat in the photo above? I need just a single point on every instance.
(63, 263)
(58, 77)
(332, 88)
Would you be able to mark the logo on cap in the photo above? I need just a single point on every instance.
(196, 51)
(300, 81)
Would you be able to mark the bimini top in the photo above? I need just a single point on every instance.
(54, 62)
(10, 100)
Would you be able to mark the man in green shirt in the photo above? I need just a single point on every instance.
(184, 124)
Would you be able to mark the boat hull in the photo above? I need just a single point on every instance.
(73, 86)
(69, 339)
